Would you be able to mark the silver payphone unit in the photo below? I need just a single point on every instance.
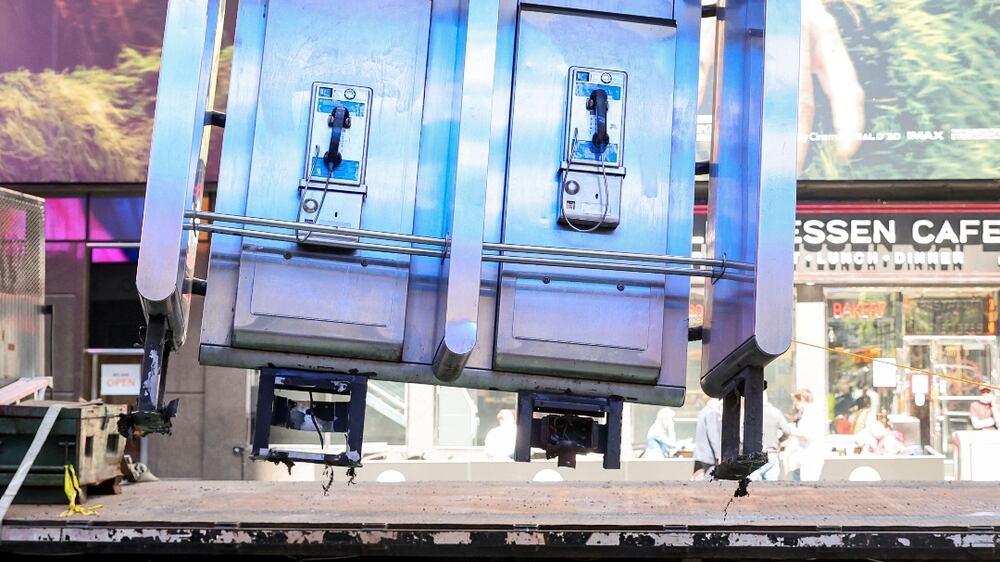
(592, 171)
(333, 185)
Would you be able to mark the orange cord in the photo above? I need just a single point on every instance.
(908, 368)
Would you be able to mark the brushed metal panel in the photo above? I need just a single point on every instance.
(313, 305)
(581, 321)
(381, 44)
(752, 187)
(234, 170)
(177, 158)
(324, 297)
(680, 192)
(549, 42)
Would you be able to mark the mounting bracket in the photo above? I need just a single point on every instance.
(738, 462)
(321, 417)
(568, 427)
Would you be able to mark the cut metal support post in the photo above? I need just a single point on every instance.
(525, 413)
(613, 435)
(150, 415)
(753, 410)
(154, 363)
(731, 426)
(745, 400)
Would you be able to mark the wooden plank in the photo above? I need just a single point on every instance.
(587, 519)
(605, 504)
(21, 389)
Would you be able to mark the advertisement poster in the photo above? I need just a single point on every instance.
(78, 88)
(890, 89)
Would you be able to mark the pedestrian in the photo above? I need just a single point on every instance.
(775, 430)
(661, 438)
(983, 412)
(806, 455)
(708, 440)
(501, 439)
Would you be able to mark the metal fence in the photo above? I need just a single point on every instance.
(22, 285)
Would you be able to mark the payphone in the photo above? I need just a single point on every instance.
(333, 185)
(592, 171)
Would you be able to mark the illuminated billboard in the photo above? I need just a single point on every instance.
(894, 90)
(890, 89)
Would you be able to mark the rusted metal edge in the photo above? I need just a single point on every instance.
(899, 544)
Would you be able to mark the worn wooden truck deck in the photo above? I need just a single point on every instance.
(944, 521)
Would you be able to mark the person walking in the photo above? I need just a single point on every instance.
(775, 430)
(708, 440)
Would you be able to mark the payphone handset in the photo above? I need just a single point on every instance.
(592, 169)
(333, 184)
(596, 108)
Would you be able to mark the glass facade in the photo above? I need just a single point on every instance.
(948, 332)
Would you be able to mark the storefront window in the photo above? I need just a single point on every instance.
(944, 342)
(115, 312)
(863, 325)
(960, 315)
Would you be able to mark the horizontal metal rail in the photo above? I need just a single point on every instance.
(606, 266)
(625, 256)
(719, 266)
(213, 228)
(523, 260)
(317, 228)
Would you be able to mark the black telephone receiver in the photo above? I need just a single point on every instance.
(339, 120)
(598, 104)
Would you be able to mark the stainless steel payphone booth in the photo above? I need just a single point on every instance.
(492, 194)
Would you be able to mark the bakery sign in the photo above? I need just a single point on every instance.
(897, 238)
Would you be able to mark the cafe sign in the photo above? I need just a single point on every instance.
(857, 243)
(899, 238)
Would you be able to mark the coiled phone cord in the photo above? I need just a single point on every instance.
(606, 192)
(319, 207)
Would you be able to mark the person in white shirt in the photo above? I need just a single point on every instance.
(501, 439)
(807, 455)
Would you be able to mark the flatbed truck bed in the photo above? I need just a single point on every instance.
(944, 521)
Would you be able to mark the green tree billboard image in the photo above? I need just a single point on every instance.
(929, 73)
(890, 90)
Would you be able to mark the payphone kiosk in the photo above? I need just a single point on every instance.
(492, 194)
